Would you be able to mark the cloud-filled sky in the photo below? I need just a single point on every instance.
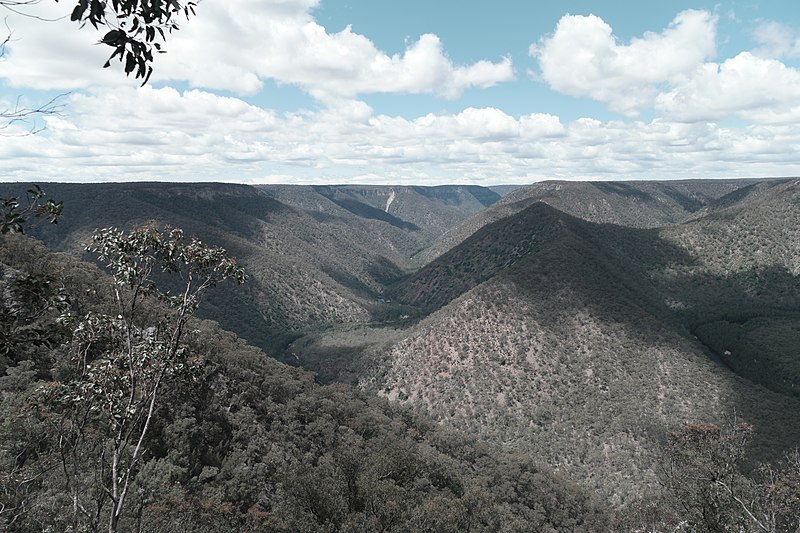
(358, 91)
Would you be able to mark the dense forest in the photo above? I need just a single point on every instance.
(563, 356)
(548, 373)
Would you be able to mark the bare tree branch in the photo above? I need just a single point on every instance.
(30, 118)
(6, 40)
(17, 7)
(743, 505)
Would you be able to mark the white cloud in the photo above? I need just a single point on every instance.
(198, 136)
(583, 58)
(236, 44)
(667, 71)
(748, 87)
(54, 53)
(116, 131)
(776, 40)
(295, 49)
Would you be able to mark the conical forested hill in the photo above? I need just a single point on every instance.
(490, 250)
(559, 336)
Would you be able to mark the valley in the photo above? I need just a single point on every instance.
(575, 323)
(334, 266)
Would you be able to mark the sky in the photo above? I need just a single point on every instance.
(414, 92)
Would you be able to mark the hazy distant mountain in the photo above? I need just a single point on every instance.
(426, 212)
(637, 204)
(503, 190)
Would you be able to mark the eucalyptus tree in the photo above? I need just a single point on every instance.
(120, 363)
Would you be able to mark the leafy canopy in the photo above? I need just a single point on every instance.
(15, 212)
(135, 27)
(121, 364)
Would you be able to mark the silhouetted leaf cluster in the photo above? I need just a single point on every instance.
(136, 27)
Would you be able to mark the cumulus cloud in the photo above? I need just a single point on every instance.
(776, 40)
(47, 51)
(755, 89)
(236, 44)
(195, 136)
(131, 133)
(255, 42)
(584, 58)
(668, 72)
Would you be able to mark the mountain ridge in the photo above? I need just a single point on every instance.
(641, 204)
(312, 263)
(576, 332)
(541, 332)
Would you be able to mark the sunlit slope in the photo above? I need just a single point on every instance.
(758, 230)
(557, 335)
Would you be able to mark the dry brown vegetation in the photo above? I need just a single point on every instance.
(567, 339)
(580, 348)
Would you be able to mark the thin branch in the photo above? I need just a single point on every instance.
(7, 39)
(743, 505)
(16, 6)
(30, 116)
(9, 4)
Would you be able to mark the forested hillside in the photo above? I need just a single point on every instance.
(336, 266)
(636, 204)
(563, 336)
(316, 256)
(550, 371)
(742, 295)
(244, 444)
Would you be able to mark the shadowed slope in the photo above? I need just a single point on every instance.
(567, 343)
(305, 273)
(742, 296)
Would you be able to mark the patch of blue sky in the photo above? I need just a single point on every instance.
(472, 30)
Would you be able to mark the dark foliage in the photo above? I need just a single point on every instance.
(16, 212)
(136, 28)
(253, 445)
